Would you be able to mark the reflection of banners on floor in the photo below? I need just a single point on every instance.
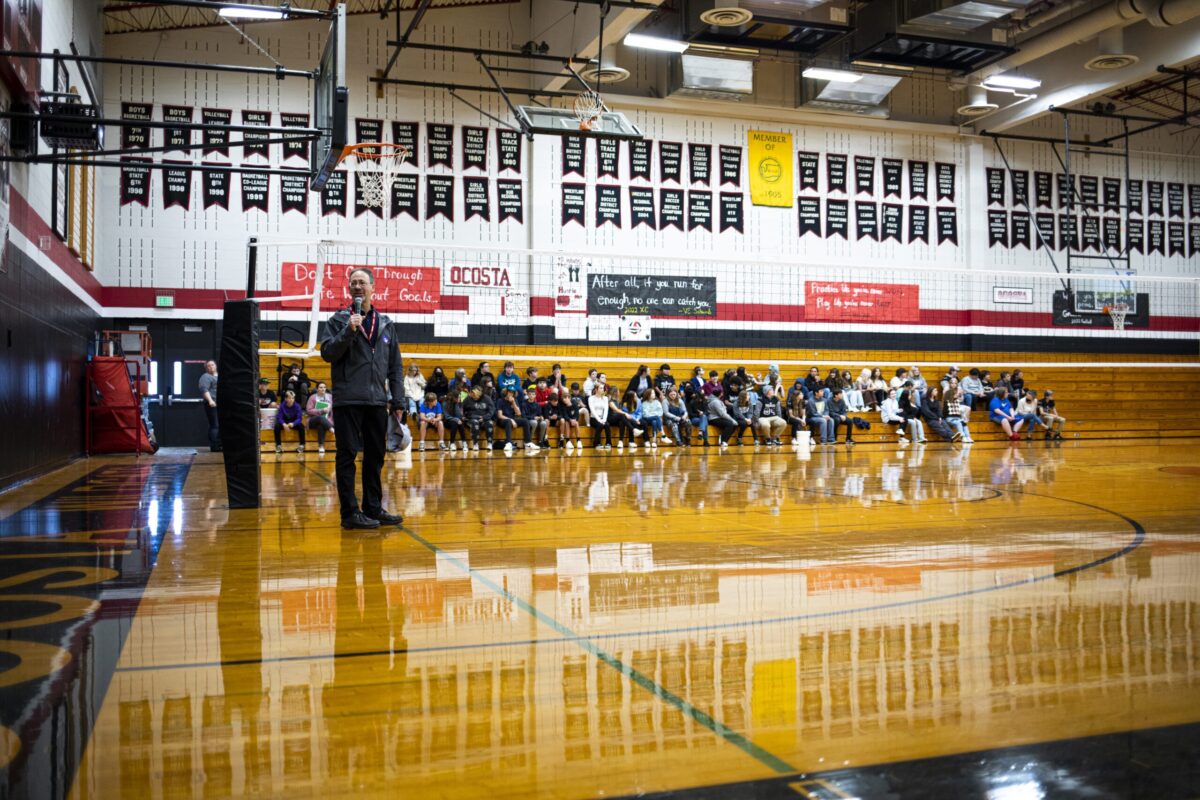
(397, 289)
(842, 301)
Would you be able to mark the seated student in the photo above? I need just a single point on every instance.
(1016, 384)
(289, 418)
(879, 386)
(918, 381)
(985, 380)
(478, 414)
(770, 419)
(910, 408)
(531, 377)
(625, 417)
(1003, 382)
(712, 387)
(1000, 412)
(797, 417)
(697, 410)
(933, 413)
(266, 397)
(459, 385)
(743, 411)
(508, 416)
(533, 420)
(640, 382)
(813, 383)
(719, 418)
(840, 414)
(320, 414)
(598, 418)
(815, 411)
(557, 380)
(437, 383)
(862, 388)
(430, 415)
(833, 380)
(956, 413)
(414, 387)
(560, 414)
(664, 381)
(1050, 415)
(972, 387)
(508, 378)
(675, 415)
(945, 381)
(295, 380)
(697, 380)
(1027, 411)
(798, 389)
(652, 418)
(579, 400)
(453, 420)
(483, 371)
(589, 383)
(541, 390)
(900, 378)
(890, 413)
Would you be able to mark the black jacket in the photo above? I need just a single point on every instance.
(361, 373)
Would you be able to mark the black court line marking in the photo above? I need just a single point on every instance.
(649, 684)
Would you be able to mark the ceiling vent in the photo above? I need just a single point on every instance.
(606, 69)
(1112, 55)
(726, 14)
(864, 98)
(706, 77)
(933, 34)
(977, 103)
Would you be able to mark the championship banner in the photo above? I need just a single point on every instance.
(1089, 192)
(893, 175)
(1020, 187)
(135, 136)
(1067, 235)
(842, 301)
(837, 218)
(1155, 237)
(1112, 233)
(474, 148)
(1133, 195)
(700, 163)
(574, 150)
(639, 158)
(574, 203)
(294, 149)
(731, 164)
(293, 193)
(1193, 239)
(1175, 200)
(997, 228)
(945, 181)
(1135, 236)
(333, 196)
(1045, 228)
(699, 211)
(135, 181)
(1194, 200)
(510, 200)
(508, 145)
(406, 133)
(256, 191)
(1112, 194)
(368, 130)
(995, 186)
(252, 141)
(177, 138)
(475, 196)
(866, 219)
(732, 213)
(670, 161)
(947, 226)
(835, 172)
(608, 205)
(216, 141)
(1176, 238)
(864, 175)
(809, 165)
(216, 188)
(918, 180)
(608, 158)
(177, 186)
(809, 212)
(1020, 229)
(670, 209)
(771, 169)
(404, 197)
(439, 197)
(1042, 183)
(398, 289)
(439, 140)
(891, 222)
(641, 208)
(1066, 189)
(1091, 233)
(1154, 195)
(918, 224)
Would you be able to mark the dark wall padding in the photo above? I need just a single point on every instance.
(237, 406)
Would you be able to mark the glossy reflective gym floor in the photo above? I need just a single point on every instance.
(998, 621)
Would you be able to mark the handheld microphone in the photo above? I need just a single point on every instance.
(358, 305)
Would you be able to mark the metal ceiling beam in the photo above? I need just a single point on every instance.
(289, 11)
(478, 51)
(278, 72)
(412, 26)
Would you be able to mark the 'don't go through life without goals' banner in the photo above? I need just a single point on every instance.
(397, 289)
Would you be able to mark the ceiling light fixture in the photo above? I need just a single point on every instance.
(832, 75)
(1005, 81)
(644, 42)
(250, 12)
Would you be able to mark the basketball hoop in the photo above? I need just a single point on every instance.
(587, 107)
(376, 164)
(1118, 312)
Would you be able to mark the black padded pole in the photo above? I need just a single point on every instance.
(237, 404)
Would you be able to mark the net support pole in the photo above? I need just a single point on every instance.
(318, 285)
(251, 266)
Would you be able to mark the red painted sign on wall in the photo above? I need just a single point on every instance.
(840, 301)
(413, 290)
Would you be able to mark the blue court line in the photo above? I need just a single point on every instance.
(733, 737)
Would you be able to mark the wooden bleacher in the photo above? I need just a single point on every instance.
(1103, 400)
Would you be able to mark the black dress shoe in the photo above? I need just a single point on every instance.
(384, 518)
(359, 520)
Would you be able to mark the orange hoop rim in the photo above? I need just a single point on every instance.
(375, 151)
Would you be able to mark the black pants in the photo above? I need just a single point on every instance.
(361, 428)
(321, 425)
(725, 427)
(299, 429)
(214, 432)
(600, 428)
(507, 426)
(847, 424)
(478, 426)
(454, 427)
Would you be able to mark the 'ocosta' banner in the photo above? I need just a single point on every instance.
(403, 289)
(771, 169)
(652, 295)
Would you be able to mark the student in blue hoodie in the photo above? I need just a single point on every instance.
(509, 379)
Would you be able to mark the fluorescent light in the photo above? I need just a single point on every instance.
(1011, 82)
(245, 12)
(832, 75)
(644, 42)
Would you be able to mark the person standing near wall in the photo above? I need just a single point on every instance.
(361, 347)
(208, 392)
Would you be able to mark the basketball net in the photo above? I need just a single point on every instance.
(375, 165)
(1117, 312)
(587, 108)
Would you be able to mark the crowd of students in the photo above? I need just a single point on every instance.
(656, 409)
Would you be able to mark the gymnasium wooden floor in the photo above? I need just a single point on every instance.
(1001, 621)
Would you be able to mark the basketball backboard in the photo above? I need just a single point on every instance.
(1104, 289)
(331, 99)
(561, 121)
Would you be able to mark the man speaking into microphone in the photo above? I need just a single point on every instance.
(365, 358)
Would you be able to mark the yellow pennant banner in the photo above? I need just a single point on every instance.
(771, 169)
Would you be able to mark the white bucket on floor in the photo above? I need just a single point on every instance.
(802, 437)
